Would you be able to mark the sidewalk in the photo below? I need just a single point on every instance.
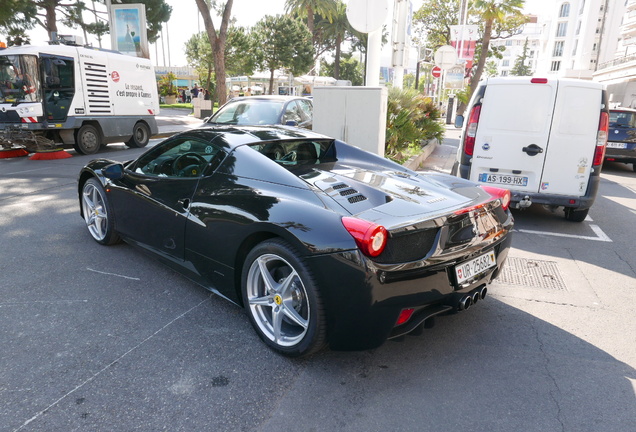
(438, 157)
(171, 121)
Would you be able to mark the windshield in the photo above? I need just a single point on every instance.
(19, 79)
(249, 111)
(622, 119)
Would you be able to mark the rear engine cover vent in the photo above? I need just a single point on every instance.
(357, 198)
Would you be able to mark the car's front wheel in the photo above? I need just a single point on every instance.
(87, 140)
(282, 300)
(97, 213)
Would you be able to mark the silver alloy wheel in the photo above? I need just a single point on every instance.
(278, 300)
(94, 209)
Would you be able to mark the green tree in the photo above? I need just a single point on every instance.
(307, 9)
(336, 29)
(432, 21)
(282, 42)
(217, 42)
(199, 55)
(491, 68)
(520, 68)
(493, 14)
(47, 13)
(350, 69)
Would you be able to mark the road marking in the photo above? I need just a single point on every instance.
(112, 274)
(600, 235)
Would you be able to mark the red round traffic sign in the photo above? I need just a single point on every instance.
(436, 72)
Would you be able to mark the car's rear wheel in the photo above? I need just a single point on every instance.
(140, 136)
(282, 300)
(98, 213)
(575, 215)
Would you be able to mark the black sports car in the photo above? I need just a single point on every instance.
(321, 242)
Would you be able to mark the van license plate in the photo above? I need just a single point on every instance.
(504, 179)
(617, 145)
(475, 267)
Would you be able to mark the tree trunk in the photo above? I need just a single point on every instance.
(474, 80)
(271, 81)
(217, 42)
(51, 23)
(336, 63)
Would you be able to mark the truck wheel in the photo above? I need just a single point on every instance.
(140, 136)
(575, 215)
(87, 140)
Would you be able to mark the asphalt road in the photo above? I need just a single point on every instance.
(98, 338)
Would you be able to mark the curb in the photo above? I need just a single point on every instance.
(414, 162)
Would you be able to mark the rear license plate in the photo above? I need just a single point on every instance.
(617, 145)
(475, 266)
(504, 179)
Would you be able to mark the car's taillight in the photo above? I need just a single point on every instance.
(404, 316)
(370, 237)
(471, 130)
(502, 194)
(601, 139)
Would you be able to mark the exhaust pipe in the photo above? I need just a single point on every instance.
(476, 297)
(465, 302)
(483, 292)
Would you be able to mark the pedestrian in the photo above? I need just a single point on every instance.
(206, 95)
(195, 91)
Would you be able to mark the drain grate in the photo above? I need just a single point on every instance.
(532, 273)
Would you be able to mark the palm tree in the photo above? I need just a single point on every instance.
(336, 29)
(491, 12)
(307, 9)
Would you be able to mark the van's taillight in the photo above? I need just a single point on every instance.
(539, 80)
(471, 130)
(370, 237)
(601, 139)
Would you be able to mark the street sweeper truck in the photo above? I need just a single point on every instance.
(77, 96)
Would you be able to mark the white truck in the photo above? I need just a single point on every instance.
(544, 139)
(78, 96)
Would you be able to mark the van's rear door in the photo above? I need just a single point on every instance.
(512, 136)
(572, 140)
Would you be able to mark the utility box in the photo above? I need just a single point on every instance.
(355, 115)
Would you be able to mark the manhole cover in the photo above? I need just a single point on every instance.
(531, 273)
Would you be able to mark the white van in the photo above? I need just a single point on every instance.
(544, 139)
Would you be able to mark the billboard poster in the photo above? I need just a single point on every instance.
(128, 30)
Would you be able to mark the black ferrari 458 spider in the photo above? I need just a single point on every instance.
(322, 243)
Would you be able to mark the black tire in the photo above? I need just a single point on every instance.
(140, 136)
(98, 213)
(634, 167)
(87, 140)
(575, 215)
(284, 307)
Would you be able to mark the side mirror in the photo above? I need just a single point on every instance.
(114, 171)
(459, 121)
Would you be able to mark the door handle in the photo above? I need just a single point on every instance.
(532, 150)
(185, 203)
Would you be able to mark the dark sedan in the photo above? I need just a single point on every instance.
(621, 137)
(322, 243)
(265, 110)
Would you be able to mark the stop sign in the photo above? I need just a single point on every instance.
(436, 72)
